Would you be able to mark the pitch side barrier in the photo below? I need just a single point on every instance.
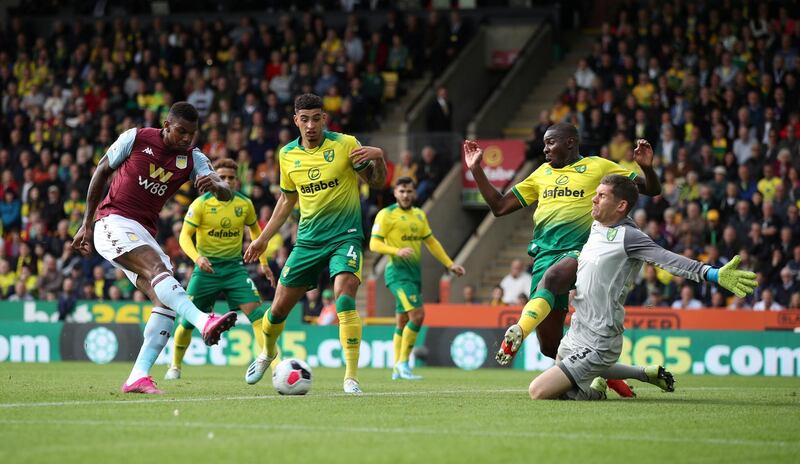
(712, 342)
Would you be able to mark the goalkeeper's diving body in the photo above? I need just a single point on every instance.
(607, 265)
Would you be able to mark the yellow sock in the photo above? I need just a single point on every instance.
(397, 340)
(535, 311)
(350, 336)
(183, 338)
(258, 334)
(272, 327)
(410, 333)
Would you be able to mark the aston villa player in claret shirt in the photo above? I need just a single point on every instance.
(148, 166)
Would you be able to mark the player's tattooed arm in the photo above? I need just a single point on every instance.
(500, 204)
(83, 238)
(643, 154)
(214, 184)
(374, 174)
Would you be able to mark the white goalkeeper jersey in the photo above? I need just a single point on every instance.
(607, 266)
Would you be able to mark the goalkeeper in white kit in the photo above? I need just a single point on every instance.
(607, 266)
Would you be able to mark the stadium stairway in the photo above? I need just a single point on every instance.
(515, 246)
(552, 84)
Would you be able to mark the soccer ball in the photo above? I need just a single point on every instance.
(292, 377)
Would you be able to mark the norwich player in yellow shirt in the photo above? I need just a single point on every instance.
(320, 170)
(563, 188)
(398, 232)
(218, 227)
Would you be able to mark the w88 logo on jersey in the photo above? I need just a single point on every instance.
(156, 188)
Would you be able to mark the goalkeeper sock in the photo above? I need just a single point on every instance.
(397, 341)
(156, 336)
(272, 326)
(255, 319)
(409, 338)
(624, 371)
(183, 338)
(349, 334)
(536, 310)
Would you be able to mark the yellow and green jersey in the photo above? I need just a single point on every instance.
(220, 225)
(562, 219)
(327, 185)
(402, 228)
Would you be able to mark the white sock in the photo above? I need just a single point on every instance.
(170, 292)
(156, 336)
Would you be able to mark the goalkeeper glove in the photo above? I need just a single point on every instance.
(740, 283)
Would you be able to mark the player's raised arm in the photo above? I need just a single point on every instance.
(638, 245)
(500, 204)
(374, 173)
(643, 154)
(281, 213)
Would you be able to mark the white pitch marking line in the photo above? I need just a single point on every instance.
(403, 430)
(248, 398)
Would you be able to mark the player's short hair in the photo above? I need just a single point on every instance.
(565, 129)
(307, 101)
(624, 188)
(405, 180)
(184, 110)
(226, 163)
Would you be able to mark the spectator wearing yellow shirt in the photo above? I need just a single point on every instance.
(619, 147)
(331, 46)
(332, 101)
(7, 278)
(768, 184)
(643, 91)
(406, 168)
(75, 201)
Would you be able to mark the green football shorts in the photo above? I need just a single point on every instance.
(304, 264)
(407, 295)
(230, 278)
(542, 260)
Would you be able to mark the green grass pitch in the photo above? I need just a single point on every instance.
(74, 413)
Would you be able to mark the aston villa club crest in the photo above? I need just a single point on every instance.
(181, 162)
(580, 169)
(328, 155)
(238, 211)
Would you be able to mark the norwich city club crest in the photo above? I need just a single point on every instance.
(611, 234)
(238, 211)
(580, 169)
(328, 155)
(181, 162)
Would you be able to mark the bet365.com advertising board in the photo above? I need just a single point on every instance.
(747, 353)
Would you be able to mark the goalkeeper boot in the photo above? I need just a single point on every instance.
(143, 385)
(404, 372)
(216, 325)
(173, 373)
(257, 368)
(599, 385)
(660, 377)
(512, 341)
(352, 387)
(621, 387)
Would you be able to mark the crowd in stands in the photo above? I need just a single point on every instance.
(69, 91)
(713, 87)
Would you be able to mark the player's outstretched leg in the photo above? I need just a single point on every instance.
(173, 295)
(272, 327)
(181, 342)
(156, 336)
(534, 312)
(654, 375)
